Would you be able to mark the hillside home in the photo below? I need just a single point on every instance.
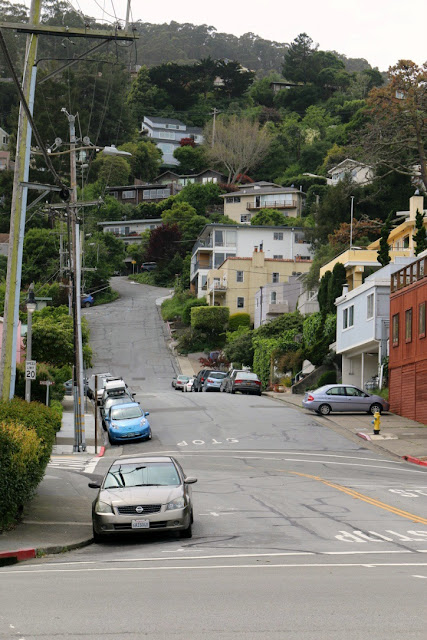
(129, 230)
(4, 140)
(408, 342)
(5, 162)
(243, 204)
(359, 262)
(204, 177)
(275, 298)
(358, 172)
(217, 242)
(4, 244)
(167, 134)
(363, 318)
(238, 279)
(137, 193)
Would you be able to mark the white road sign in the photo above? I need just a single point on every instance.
(30, 369)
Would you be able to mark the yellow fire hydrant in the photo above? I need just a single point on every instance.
(376, 422)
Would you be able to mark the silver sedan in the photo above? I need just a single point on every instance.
(142, 495)
(343, 397)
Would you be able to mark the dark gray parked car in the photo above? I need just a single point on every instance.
(243, 381)
(343, 397)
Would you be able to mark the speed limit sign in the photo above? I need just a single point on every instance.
(30, 369)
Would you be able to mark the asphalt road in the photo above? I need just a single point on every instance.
(299, 532)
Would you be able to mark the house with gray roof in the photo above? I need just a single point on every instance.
(167, 134)
(249, 199)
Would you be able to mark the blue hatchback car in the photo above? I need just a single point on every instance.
(127, 422)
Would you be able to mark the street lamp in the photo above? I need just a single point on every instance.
(31, 307)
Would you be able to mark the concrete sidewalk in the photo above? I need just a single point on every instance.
(399, 436)
(59, 516)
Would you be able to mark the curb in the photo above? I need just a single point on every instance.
(422, 463)
(364, 436)
(12, 557)
(101, 452)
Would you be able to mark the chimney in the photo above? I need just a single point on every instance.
(344, 289)
(258, 258)
(416, 202)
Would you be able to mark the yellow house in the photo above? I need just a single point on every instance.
(235, 283)
(250, 199)
(359, 261)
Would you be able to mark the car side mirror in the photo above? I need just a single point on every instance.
(190, 480)
(147, 413)
(94, 485)
(133, 395)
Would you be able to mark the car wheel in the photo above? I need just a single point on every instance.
(192, 518)
(87, 305)
(149, 436)
(188, 532)
(96, 536)
(259, 393)
(375, 407)
(233, 390)
(324, 409)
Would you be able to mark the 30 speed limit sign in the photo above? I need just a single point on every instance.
(30, 369)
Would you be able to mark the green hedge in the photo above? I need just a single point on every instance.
(210, 319)
(190, 304)
(329, 377)
(21, 469)
(237, 320)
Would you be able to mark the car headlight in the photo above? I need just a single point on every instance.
(143, 422)
(113, 426)
(178, 503)
(103, 507)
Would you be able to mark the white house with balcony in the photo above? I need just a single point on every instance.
(363, 319)
(167, 134)
(130, 230)
(217, 242)
(357, 171)
(250, 199)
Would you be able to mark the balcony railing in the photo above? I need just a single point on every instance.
(203, 244)
(409, 274)
(272, 205)
(218, 285)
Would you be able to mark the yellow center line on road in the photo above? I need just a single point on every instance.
(361, 496)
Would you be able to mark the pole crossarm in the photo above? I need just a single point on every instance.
(72, 32)
(40, 187)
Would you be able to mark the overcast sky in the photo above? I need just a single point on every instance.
(382, 31)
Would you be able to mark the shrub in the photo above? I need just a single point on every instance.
(144, 278)
(192, 340)
(210, 319)
(190, 304)
(21, 469)
(329, 377)
(58, 375)
(237, 320)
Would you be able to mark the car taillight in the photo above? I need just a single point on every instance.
(310, 398)
(238, 381)
(210, 380)
(258, 382)
(202, 379)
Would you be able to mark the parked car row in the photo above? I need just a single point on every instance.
(227, 382)
(122, 417)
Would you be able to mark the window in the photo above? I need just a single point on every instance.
(278, 257)
(275, 278)
(336, 391)
(126, 195)
(352, 391)
(278, 235)
(239, 276)
(273, 297)
(395, 330)
(219, 259)
(245, 217)
(204, 279)
(219, 238)
(230, 238)
(348, 317)
(166, 135)
(211, 179)
(408, 325)
(406, 242)
(422, 320)
(232, 199)
(370, 306)
(240, 303)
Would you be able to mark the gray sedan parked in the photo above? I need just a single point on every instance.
(340, 397)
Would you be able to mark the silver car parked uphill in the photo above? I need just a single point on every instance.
(343, 397)
(142, 495)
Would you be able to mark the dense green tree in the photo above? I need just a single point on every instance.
(112, 171)
(420, 237)
(323, 292)
(384, 250)
(240, 349)
(297, 66)
(200, 196)
(191, 159)
(337, 281)
(145, 97)
(40, 260)
(53, 340)
(145, 160)
(105, 253)
(268, 218)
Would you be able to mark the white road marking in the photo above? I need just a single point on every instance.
(315, 565)
(90, 467)
(424, 577)
(294, 453)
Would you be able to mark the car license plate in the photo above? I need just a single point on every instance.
(140, 524)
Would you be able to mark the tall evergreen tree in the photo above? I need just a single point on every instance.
(384, 250)
(420, 237)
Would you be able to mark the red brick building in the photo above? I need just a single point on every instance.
(408, 341)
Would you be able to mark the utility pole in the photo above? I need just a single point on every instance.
(17, 217)
(26, 90)
(214, 113)
(78, 388)
(351, 221)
